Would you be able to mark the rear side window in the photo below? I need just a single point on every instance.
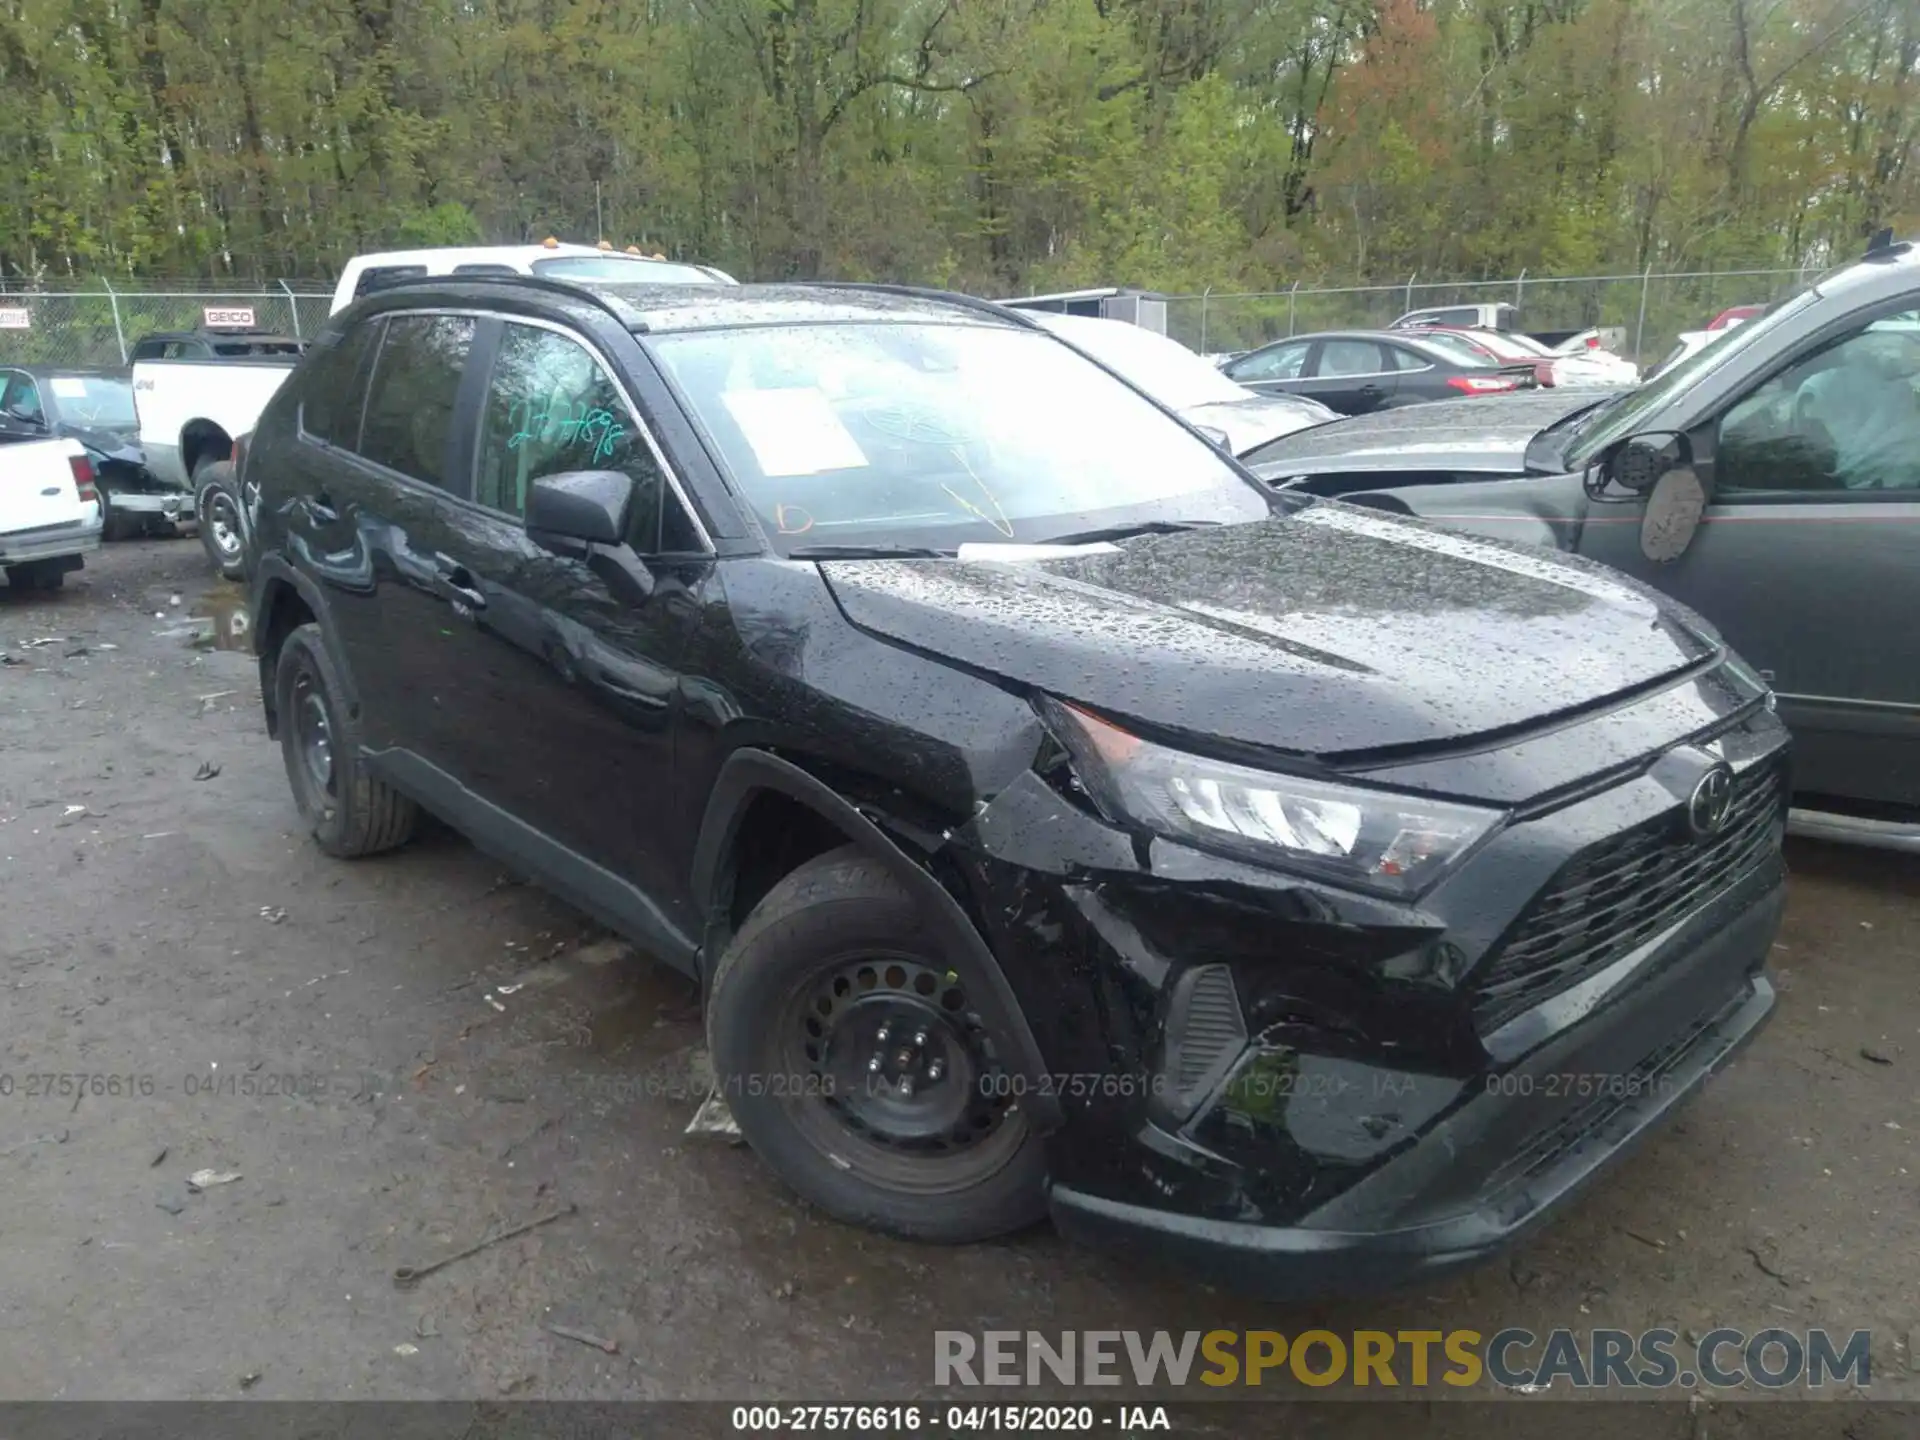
(334, 389)
(416, 379)
(385, 277)
(1350, 357)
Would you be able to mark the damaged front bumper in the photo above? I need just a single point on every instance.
(1286, 1088)
(169, 505)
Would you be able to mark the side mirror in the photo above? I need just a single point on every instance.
(588, 507)
(1638, 465)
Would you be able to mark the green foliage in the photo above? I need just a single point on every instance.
(998, 145)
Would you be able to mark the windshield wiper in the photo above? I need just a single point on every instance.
(1126, 532)
(868, 552)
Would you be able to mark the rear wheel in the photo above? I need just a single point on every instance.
(217, 504)
(868, 1069)
(346, 810)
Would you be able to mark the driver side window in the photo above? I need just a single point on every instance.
(550, 408)
(1282, 362)
(1844, 419)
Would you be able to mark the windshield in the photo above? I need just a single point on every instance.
(1164, 368)
(630, 270)
(1468, 350)
(102, 402)
(939, 434)
(1618, 419)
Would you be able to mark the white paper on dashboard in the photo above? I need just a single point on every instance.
(1013, 550)
(68, 388)
(793, 431)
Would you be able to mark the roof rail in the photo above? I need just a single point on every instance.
(1884, 247)
(928, 292)
(619, 309)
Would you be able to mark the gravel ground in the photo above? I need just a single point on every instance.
(399, 1055)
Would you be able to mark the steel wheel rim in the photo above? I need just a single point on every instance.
(938, 1112)
(313, 734)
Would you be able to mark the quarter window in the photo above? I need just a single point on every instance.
(551, 409)
(1846, 418)
(416, 379)
(334, 389)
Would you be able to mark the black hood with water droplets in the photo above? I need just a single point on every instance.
(1333, 631)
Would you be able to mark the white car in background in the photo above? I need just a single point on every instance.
(50, 514)
(1186, 384)
(364, 274)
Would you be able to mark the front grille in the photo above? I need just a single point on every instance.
(1555, 1142)
(1620, 893)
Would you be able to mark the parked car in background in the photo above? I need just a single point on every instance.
(94, 407)
(368, 274)
(198, 393)
(1357, 371)
(49, 511)
(1771, 481)
(955, 717)
(1550, 368)
(1506, 317)
(1186, 384)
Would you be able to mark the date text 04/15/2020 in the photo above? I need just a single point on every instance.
(1119, 1420)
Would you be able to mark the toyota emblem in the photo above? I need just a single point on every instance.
(1712, 798)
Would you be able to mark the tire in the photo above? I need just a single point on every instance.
(346, 810)
(216, 502)
(36, 575)
(833, 949)
(113, 525)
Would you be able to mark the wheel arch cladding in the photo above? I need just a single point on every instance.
(284, 600)
(751, 779)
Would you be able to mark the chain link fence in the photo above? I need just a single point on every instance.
(101, 327)
(1651, 308)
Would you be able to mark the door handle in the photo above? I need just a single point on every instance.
(1371, 390)
(458, 582)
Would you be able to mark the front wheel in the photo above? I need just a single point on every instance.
(113, 525)
(873, 1073)
(217, 504)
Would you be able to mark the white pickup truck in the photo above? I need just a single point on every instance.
(49, 511)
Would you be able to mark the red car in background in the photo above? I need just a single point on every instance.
(1593, 366)
(1727, 319)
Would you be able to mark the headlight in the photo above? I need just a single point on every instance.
(1364, 839)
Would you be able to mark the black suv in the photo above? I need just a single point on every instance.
(1054, 819)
